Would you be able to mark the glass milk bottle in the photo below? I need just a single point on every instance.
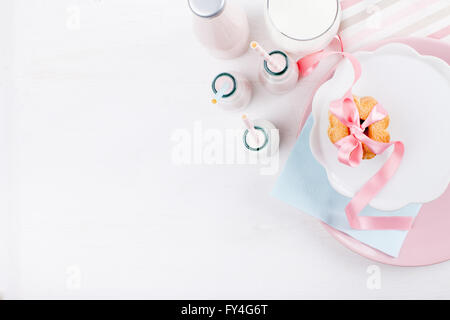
(282, 79)
(232, 91)
(221, 26)
(261, 139)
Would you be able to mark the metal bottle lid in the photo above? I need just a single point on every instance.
(207, 8)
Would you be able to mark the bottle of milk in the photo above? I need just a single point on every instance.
(279, 81)
(221, 26)
(234, 90)
(265, 140)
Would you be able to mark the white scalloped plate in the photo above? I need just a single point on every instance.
(415, 90)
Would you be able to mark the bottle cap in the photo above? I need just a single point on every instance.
(207, 8)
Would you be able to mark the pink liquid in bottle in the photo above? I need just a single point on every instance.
(221, 26)
(238, 94)
(268, 139)
(279, 81)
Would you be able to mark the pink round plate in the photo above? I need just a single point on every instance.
(429, 241)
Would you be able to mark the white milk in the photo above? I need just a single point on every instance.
(303, 26)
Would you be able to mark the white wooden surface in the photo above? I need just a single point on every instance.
(97, 207)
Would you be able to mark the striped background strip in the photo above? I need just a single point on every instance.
(365, 21)
(348, 3)
(441, 33)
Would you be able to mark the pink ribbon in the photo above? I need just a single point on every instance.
(350, 149)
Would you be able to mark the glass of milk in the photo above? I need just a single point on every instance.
(281, 80)
(238, 93)
(302, 26)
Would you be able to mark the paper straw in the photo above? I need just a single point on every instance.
(220, 93)
(255, 46)
(251, 128)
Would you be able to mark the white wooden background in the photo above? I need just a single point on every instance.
(91, 93)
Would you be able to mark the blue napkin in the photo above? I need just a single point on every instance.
(304, 185)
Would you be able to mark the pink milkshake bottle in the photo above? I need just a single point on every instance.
(232, 91)
(221, 26)
(277, 72)
(261, 139)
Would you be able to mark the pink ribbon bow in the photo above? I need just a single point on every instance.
(350, 150)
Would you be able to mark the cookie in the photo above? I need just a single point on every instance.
(376, 131)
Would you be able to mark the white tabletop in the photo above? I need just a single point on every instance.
(93, 96)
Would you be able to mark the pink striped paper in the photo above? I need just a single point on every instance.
(398, 18)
